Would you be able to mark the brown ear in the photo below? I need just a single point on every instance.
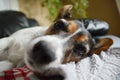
(102, 45)
(64, 12)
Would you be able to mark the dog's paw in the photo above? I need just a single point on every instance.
(55, 74)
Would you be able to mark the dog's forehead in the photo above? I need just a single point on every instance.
(82, 38)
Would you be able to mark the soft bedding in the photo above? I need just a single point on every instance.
(105, 66)
(100, 67)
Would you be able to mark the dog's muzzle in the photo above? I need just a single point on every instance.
(42, 53)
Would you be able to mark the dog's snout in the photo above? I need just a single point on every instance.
(42, 54)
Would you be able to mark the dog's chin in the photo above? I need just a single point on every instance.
(35, 67)
(40, 68)
(51, 71)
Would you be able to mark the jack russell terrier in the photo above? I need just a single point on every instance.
(85, 43)
(43, 48)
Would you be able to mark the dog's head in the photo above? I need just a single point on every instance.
(44, 52)
(65, 41)
(84, 43)
(48, 51)
(51, 50)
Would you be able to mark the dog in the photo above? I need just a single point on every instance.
(45, 53)
(78, 43)
(45, 48)
(12, 49)
(85, 43)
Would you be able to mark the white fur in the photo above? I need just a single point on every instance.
(12, 48)
(56, 45)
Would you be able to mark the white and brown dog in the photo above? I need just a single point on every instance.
(43, 48)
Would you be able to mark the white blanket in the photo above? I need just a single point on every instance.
(105, 66)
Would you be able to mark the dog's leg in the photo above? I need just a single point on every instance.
(5, 44)
(5, 65)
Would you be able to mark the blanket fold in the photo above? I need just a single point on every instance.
(97, 67)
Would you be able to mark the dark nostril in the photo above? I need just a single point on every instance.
(42, 53)
(79, 49)
(59, 25)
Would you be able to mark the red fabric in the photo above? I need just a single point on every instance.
(17, 74)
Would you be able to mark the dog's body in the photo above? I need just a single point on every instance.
(12, 48)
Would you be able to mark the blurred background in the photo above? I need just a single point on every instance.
(45, 11)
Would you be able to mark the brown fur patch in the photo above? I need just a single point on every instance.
(72, 27)
(82, 38)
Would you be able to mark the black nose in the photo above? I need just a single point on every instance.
(61, 26)
(42, 53)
